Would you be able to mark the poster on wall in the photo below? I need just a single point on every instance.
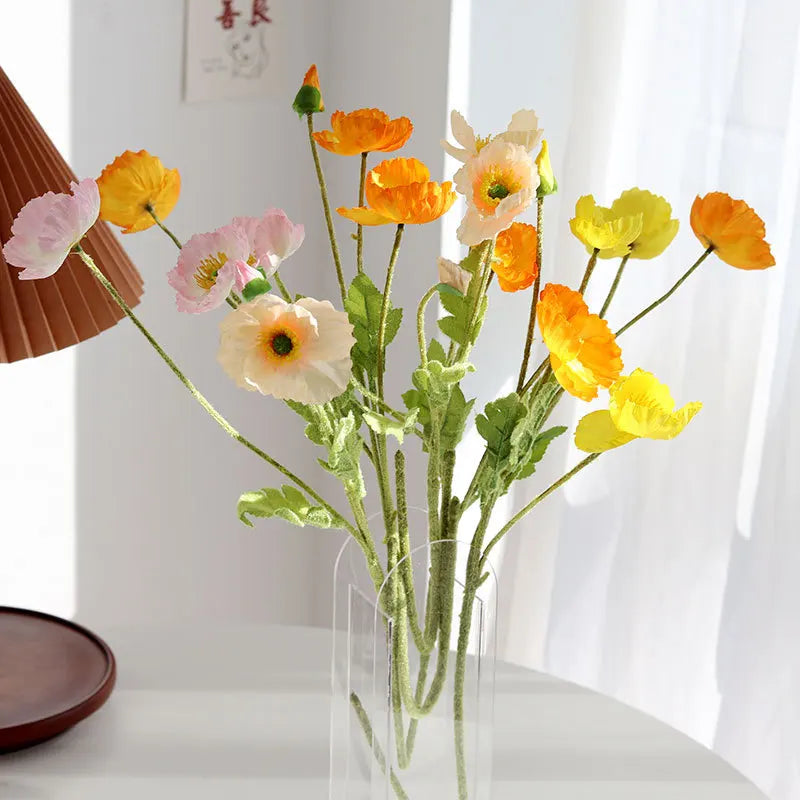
(234, 48)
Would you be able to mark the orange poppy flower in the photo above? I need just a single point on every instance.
(131, 185)
(364, 131)
(584, 354)
(515, 257)
(733, 229)
(399, 191)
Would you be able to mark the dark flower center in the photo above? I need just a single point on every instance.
(497, 191)
(282, 344)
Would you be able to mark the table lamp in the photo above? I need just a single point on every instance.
(38, 317)
(54, 673)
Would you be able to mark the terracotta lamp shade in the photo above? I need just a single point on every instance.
(40, 316)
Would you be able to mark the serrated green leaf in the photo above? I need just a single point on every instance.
(458, 325)
(363, 306)
(497, 422)
(540, 445)
(344, 453)
(287, 503)
(392, 427)
(436, 351)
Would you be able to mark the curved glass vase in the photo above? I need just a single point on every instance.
(413, 678)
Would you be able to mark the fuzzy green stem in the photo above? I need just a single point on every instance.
(589, 270)
(360, 230)
(326, 207)
(484, 276)
(212, 412)
(523, 369)
(613, 290)
(535, 502)
(151, 211)
(282, 288)
(423, 304)
(387, 290)
(232, 303)
(664, 297)
(366, 727)
(472, 582)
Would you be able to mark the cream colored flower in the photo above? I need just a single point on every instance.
(293, 351)
(499, 183)
(522, 130)
(453, 275)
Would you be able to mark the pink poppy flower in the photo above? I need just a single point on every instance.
(210, 266)
(48, 227)
(276, 238)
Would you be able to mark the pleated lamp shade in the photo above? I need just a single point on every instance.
(40, 316)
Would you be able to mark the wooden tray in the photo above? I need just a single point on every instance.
(53, 674)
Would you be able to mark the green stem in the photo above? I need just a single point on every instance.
(326, 207)
(423, 304)
(523, 369)
(472, 582)
(360, 229)
(366, 727)
(485, 276)
(613, 290)
(387, 290)
(669, 294)
(535, 502)
(589, 270)
(282, 288)
(212, 412)
(151, 211)
(232, 303)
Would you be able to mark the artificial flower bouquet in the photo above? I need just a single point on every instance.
(328, 361)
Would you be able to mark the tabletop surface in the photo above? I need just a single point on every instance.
(241, 713)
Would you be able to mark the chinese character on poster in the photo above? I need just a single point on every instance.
(234, 48)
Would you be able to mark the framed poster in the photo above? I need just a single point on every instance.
(234, 48)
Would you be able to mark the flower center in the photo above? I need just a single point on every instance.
(491, 188)
(497, 191)
(481, 142)
(205, 276)
(281, 344)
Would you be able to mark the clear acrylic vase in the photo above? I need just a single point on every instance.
(412, 719)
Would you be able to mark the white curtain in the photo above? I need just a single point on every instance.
(668, 574)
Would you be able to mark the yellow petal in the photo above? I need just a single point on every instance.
(364, 216)
(597, 433)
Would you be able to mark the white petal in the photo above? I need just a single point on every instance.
(462, 131)
(524, 120)
(453, 275)
(458, 153)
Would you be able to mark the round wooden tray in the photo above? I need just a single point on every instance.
(53, 674)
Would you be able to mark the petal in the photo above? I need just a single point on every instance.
(276, 238)
(363, 216)
(458, 153)
(597, 433)
(453, 275)
(462, 131)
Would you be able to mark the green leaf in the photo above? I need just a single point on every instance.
(460, 307)
(497, 424)
(436, 351)
(344, 453)
(289, 504)
(446, 288)
(363, 306)
(256, 287)
(392, 427)
(540, 445)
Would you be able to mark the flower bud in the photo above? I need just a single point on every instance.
(309, 98)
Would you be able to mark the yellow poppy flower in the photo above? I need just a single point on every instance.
(733, 229)
(658, 229)
(132, 184)
(584, 354)
(515, 257)
(639, 407)
(599, 229)
(364, 131)
(399, 191)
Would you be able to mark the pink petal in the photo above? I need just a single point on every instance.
(277, 238)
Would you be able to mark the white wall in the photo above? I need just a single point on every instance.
(37, 397)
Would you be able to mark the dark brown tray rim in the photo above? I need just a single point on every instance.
(89, 704)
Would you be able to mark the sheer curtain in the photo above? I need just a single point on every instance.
(667, 574)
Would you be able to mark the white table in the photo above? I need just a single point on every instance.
(242, 714)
